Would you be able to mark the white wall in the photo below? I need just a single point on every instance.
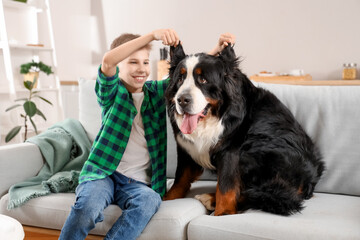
(72, 32)
(278, 35)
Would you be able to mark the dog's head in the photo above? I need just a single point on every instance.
(200, 85)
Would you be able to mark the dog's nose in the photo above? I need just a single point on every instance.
(184, 100)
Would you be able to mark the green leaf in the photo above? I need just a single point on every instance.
(12, 107)
(26, 67)
(35, 66)
(23, 1)
(28, 85)
(30, 108)
(13, 132)
(38, 112)
(43, 99)
(35, 128)
(45, 68)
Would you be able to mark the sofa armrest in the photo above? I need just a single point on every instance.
(18, 162)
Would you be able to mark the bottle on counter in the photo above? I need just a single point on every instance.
(349, 71)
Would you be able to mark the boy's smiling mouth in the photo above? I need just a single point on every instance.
(139, 78)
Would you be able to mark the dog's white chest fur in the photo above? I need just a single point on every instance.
(198, 143)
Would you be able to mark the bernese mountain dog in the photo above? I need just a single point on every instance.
(262, 156)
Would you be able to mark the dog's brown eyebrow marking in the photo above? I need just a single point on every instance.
(198, 71)
(212, 101)
(183, 70)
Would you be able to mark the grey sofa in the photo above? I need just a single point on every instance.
(329, 114)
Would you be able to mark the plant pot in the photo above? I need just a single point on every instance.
(31, 76)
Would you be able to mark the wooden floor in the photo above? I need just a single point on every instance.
(34, 233)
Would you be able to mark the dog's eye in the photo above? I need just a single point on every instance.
(202, 80)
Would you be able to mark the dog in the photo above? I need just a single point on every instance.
(262, 156)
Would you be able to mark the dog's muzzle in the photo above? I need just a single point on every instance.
(185, 101)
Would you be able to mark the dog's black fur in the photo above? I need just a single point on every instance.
(263, 157)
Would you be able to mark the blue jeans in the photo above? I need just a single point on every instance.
(137, 201)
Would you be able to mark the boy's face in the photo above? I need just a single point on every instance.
(134, 70)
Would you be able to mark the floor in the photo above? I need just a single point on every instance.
(34, 233)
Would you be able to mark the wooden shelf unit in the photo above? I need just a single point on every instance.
(31, 38)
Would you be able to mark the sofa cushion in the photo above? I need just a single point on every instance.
(51, 212)
(326, 216)
(329, 114)
(170, 222)
(24, 158)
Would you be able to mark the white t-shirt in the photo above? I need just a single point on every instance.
(135, 162)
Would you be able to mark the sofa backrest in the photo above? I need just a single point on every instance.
(331, 117)
(89, 109)
(329, 114)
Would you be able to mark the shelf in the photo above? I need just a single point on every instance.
(19, 90)
(25, 47)
(258, 78)
(35, 13)
(311, 82)
(20, 5)
(31, 48)
(22, 90)
(4, 91)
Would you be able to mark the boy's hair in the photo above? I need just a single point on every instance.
(126, 37)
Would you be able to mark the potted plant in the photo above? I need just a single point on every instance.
(31, 70)
(30, 110)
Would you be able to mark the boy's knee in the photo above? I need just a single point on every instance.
(86, 218)
(150, 201)
(88, 211)
(156, 200)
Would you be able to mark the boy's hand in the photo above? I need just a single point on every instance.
(168, 36)
(224, 40)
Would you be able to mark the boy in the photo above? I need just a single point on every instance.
(126, 165)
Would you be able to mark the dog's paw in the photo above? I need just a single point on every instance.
(208, 200)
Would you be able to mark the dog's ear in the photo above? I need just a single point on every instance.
(176, 55)
(235, 81)
(228, 57)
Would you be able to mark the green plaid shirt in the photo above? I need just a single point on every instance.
(118, 113)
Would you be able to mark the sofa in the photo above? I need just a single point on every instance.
(329, 114)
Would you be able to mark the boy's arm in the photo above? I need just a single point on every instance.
(224, 40)
(113, 57)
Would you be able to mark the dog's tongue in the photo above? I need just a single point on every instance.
(189, 123)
